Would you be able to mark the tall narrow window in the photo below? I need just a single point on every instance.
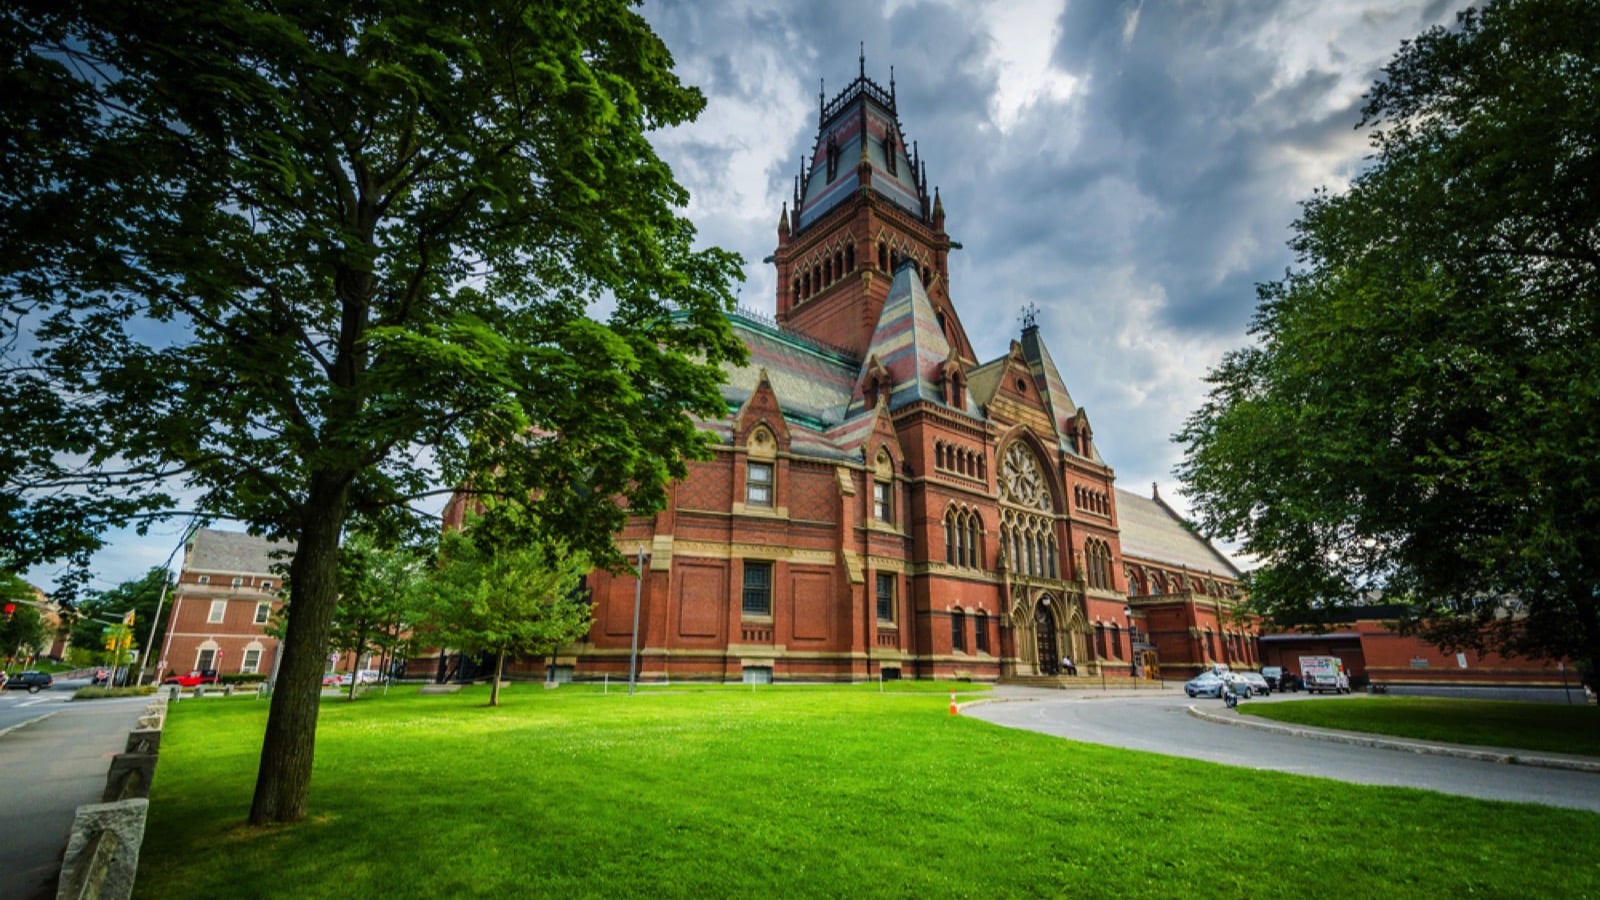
(882, 501)
(885, 596)
(263, 612)
(758, 484)
(980, 631)
(958, 631)
(757, 588)
(218, 607)
(205, 660)
(251, 662)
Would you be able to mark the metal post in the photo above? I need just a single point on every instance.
(633, 651)
(155, 622)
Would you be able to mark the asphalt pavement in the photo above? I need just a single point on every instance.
(1167, 722)
(54, 756)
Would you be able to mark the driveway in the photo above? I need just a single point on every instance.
(1159, 722)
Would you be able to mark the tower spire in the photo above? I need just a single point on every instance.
(863, 59)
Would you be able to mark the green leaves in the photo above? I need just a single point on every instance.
(1419, 415)
(304, 265)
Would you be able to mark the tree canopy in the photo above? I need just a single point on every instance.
(1420, 413)
(100, 611)
(501, 590)
(304, 265)
(378, 597)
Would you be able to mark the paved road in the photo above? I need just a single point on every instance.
(1159, 722)
(49, 766)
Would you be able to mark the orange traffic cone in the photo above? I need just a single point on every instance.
(953, 703)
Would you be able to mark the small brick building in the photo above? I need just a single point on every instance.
(227, 590)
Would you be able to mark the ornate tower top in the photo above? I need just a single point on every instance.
(860, 144)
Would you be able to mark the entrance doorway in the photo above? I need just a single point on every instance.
(1044, 629)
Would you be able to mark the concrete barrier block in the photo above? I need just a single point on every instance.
(129, 776)
(102, 855)
(144, 740)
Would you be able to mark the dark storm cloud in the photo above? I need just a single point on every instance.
(1130, 169)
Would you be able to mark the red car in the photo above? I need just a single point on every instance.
(198, 676)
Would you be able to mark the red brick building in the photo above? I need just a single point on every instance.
(1372, 649)
(226, 593)
(882, 502)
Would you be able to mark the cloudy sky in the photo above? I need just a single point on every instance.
(1129, 168)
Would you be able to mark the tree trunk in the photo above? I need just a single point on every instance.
(283, 782)
(499, 666)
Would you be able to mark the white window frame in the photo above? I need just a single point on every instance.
(218, 611)
(263, 612)
(760, 491)
(251, 662)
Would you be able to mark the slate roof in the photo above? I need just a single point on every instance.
(862, 112)
(232, 552)
(1152, 531)
(908, 342)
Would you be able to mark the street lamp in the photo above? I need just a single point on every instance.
(1133, 661)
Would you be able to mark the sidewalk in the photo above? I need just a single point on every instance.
(48, 768)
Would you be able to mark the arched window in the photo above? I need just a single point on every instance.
(952, 528)
(838, 264)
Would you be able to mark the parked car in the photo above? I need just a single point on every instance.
(1258, 684)
(195, 677)
(1206, 684)
(333, 679)
(366, 676)
(32, 682)
(1274, 677)
(1240, 685)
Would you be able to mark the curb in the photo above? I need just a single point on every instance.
(1362, 740)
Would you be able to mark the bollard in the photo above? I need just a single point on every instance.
(172, 694)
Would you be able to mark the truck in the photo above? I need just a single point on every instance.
(1324, 673)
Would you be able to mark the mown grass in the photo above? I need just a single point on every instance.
(798, 792)
(1550, 727)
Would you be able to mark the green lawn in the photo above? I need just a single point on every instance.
(798, 792)
(1549, 727)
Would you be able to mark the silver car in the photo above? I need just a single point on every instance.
(1206, 684)
(1258, 683)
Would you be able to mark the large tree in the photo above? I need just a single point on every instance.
(303, 264)
(1420, 414)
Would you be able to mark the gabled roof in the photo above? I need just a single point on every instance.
(908, 342)
(233, 552)
(1152, 531)
(1047, 379)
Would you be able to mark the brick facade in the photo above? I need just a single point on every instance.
(227, 591)
(883, 504)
